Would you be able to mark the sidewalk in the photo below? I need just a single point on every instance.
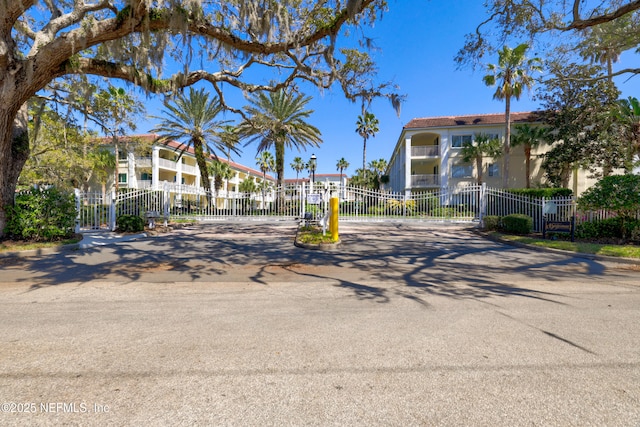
(102, 238)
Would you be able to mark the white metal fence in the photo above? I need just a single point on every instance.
(462, 204)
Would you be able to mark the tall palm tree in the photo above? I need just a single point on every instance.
(193, 121)
(278, 119)
(265, 163)
(366, 127)
(341, 166)
(529, 137)
(298, 166)
(483, 145)
(512, 74)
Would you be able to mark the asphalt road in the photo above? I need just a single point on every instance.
(230, 324)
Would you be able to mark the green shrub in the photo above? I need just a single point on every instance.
(547, 193)
(617, 193)
(517, 224)
(491, 222)
(129, 224)
(42, 215)
(617, 227)
(588, 230)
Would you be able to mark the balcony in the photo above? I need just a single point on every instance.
(143, 162)
(425, 151)
(430, 180)
(167, 164)
(191, 170)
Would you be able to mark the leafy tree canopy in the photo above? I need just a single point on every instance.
(226, 43)
(592, 30)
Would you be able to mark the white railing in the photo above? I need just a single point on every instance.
(189, 169)
(167, 164)
(143, 162)
(462, 204)
(425, 151)
(425, 180)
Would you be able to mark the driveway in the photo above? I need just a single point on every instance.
(230, 324)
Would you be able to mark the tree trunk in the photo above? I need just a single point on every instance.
(364, 161)
(280, 163)
(507, 142)
(14, 151)
(527, 160)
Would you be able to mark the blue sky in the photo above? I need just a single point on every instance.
(418, 40)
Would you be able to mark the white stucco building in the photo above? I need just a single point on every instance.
(427, 155)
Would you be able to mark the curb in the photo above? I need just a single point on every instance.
(592, 257)
(42, 251)
(329, 247)
(87, 242)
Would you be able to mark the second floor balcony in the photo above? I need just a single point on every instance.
(425, 180)
(425, 151)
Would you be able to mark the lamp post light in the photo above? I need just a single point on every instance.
(312, 168)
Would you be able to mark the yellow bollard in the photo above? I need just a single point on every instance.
(333, 218)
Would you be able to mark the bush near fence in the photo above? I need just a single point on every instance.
(517, 224)
(41, 215)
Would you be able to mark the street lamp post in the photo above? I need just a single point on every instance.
(312, 168)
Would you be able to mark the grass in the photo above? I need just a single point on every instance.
(17, 245)
(313, 236)
(624, 251)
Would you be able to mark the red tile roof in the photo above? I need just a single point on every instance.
(477, 119)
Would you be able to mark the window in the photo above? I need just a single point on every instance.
(145, 176)
(122, 155)
(458, 141)
(494, 169)
(461, 171)
(122, 178)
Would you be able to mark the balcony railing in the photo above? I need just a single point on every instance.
(425, 180)
(143, 162)
(167, 164)
(425, 151)
(192, 170)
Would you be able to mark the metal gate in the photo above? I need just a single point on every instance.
(455, 204)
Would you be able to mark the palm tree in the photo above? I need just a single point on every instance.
(116, 111)
(605, 42)
(529, 137)
(366, 127)
(298, 166)
(102, 161)
(511, 75)
(627, 115)
(378, 167)
(265, 163)
(483, 145)
(193, 121)
(247, 187)
(221, 172)
(278, 119)
(341, 166)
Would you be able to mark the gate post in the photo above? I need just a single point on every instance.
(303, 199)
(76, 192)
(482, 196)
(167, 202)
(112, 219)
(407, 197)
